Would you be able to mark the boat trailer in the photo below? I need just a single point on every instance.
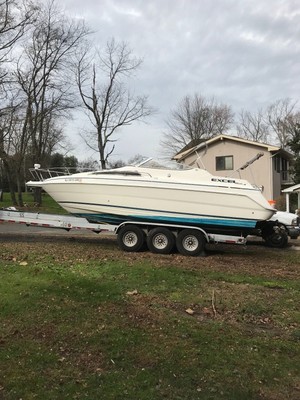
(133, 236)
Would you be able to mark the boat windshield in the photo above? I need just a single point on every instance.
(161, 163)
(147, 164)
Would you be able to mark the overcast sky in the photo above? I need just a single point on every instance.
(244, 53)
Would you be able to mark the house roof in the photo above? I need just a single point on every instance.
(193, 143)
(291, 189)
(186, 151)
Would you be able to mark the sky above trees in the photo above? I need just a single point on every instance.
(243, 53)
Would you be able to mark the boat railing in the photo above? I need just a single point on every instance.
(40, 174)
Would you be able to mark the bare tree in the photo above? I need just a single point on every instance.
(15, 17)
(107, 100)
(42, 75)
(253, 126)
(16, 149)
(281, 116)
(195, 118)
(8, 125)
(41, 87)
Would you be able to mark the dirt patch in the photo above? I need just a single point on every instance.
(253, 259)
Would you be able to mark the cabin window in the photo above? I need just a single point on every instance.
(224, 163)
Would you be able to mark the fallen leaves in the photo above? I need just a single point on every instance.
(132, 293)
(23, 263)
(190, 311)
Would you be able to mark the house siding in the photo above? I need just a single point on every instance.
(276, 179)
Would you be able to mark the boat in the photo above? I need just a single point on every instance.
(182, 197)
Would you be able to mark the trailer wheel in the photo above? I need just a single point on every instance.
(277, 239)
(131, 238)
(190, 242)
(161, 241)
(275, 236)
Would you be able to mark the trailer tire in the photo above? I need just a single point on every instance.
(131, 238)
(276, 239)
(190, 242)
(160, 241)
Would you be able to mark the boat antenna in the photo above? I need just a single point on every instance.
(258, 155)
(248, 163)
(199, 160)
(144, 162)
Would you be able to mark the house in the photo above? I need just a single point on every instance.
(225, 155)
(288, 191)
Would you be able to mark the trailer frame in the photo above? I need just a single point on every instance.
(160, 238)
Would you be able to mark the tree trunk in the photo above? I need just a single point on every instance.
(20, 196)
(37, 196)
(10, 182)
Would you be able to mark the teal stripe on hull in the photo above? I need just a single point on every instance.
(220, 222)
(244, 223)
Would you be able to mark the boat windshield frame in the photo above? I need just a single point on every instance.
(116, 172)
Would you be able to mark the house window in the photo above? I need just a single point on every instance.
(284, 170)
(277, 164)
(224, 163)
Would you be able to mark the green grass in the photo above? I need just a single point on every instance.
(48, 204)
(70, 329)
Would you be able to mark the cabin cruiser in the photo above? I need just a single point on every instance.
(182, 197)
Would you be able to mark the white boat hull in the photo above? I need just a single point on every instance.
(111, 199)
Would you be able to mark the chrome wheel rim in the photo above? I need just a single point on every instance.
(130, 239)
(160, 241)
(190, 243)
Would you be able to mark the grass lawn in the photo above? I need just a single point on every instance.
(80, 319)
(48, 204)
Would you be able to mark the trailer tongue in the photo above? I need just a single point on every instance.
(58, 221)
